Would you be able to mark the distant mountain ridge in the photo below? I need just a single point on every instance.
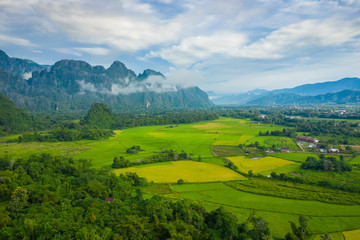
(322, 88)
(343, 97)
(71, 85)
(240, 98)
(18, 66)
(301, 94)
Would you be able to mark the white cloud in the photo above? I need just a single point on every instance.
(306, 34)
(175, 80)
(208, 35)
(94, 51)
(16, 41)
(198, 48)
(70, 51)
(127, 26)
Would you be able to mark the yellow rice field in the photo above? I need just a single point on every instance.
(258, 165)
(352, 235)
(189, 171)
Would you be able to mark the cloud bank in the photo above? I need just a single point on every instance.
(237, 43)
(174, 81)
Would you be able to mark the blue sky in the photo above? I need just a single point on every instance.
(223, 46)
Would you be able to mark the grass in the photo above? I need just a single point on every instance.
(269, 141)
(355, 160)
(352, 235)
(189, 171)
(21, 150)
(219, 150)
(285, 169)
(260, 165)
(195, 139)
(324, 217)
(276, 188)
(334, 236)
(297, 157)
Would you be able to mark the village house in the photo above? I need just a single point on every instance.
(307, 139)
(109, 199)
(334, 150)
(285, 149)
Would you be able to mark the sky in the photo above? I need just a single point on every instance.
(228, 46)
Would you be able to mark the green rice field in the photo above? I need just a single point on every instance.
(324, 217)
(195, 139)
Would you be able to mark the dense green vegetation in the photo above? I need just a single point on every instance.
(47, 197)
(326, 164)
(13, 119)
(219, 150)
(65, 135)
(99, 116)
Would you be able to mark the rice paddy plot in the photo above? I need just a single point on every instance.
(352, 235)
(189, 171)
(278, 212)
(297, 157)
(269, 141)
(23, 150)
(219, 150)
(285, 169)
(264, 164)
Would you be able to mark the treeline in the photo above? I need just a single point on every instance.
(66, 135)
(284, 133)
(52, 197)
(329, 164)
(164, 156)
(101, 116)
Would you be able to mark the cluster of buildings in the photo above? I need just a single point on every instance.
(313, 144)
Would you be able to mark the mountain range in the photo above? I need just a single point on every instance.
(343, 91)
(71, 85)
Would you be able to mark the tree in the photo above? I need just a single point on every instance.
(19, 200)
(327, 165)
(180, 181)
(261, 229)
(120, 163)
(274, 175)
(325, 236)
(302, 231)
(225, 223)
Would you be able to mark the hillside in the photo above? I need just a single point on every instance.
(71, 85)
(12, 119)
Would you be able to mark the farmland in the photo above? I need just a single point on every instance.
(189, 171)
(208, 179)
(277, 211)
(263, 164)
